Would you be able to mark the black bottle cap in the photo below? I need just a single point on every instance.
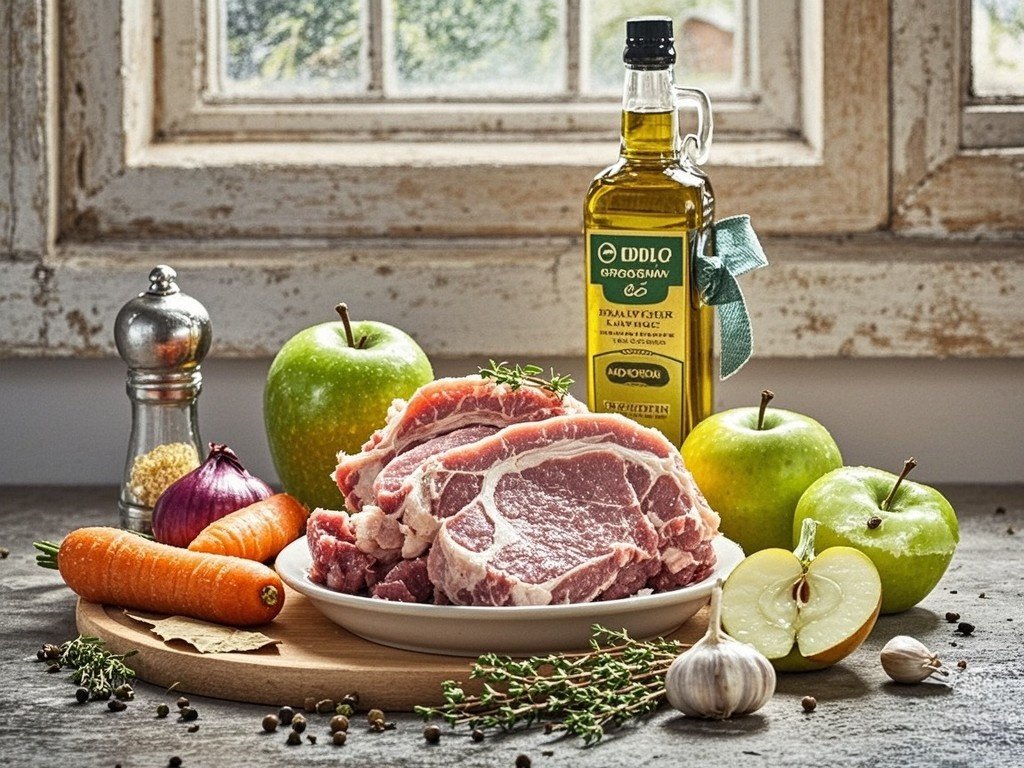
(649, 43)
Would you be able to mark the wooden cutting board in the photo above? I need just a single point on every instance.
(314, 658)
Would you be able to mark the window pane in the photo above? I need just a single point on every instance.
(280, 47)
(477, 47)
(708, 38)
(997, 47)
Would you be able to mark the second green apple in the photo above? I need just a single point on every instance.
(753, 464)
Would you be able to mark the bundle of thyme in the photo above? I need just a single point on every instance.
(582, 694)
(96, 669)
(527, 375)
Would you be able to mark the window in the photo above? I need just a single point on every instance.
(412, 68)
(994, 80)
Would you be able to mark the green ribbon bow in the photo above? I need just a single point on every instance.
(734, 251)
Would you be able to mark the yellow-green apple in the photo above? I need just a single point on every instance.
(753, 464)
(328, 388)
(802, 611)
(908, 530)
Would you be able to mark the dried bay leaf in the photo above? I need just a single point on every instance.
(204, 636)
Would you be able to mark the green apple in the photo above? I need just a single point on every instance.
(907, 529)
(753, 464)
(328, 389)
(803, 612)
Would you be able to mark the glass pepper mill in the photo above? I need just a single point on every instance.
(163, 335)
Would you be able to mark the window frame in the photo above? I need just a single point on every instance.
(767, 107)
(951, 175)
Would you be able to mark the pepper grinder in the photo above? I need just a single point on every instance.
(163, 335)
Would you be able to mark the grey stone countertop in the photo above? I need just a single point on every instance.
(861, 718)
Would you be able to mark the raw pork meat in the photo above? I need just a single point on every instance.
(569, 509)
(437, 409)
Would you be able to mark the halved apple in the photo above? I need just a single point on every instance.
(803, 611)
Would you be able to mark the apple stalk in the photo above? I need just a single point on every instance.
(907, 466)
(342, 309)
(766, 397)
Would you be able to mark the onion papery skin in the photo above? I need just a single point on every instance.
(217, 487)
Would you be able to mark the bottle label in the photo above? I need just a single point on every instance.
(637, 300)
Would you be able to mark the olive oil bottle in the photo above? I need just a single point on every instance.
(646, 217)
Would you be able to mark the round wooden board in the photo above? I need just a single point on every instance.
(314, 658)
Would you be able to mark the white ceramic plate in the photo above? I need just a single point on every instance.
(514, 630)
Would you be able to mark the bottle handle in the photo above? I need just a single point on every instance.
(697, 146)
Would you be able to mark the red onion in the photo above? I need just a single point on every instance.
(217, 487)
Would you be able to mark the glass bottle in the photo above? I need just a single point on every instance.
(163, 335)
(646, 217)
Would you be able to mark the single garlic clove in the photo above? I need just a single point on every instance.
(907, 660)
(719, 677)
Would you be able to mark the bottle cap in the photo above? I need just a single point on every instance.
(649, 43)
(162, 329)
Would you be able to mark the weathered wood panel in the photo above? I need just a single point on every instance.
(873, 296)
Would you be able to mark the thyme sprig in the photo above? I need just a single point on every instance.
(95, 668)
(582, 694)
(527, 375)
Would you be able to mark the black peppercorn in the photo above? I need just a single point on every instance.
(964, 628)
(298, 723)
(116, 705)
(432, 734)
(952, 617)
(477, 734)
(182, 702)
(270, 723)
(174, 762)
(193, 728)
(339, 738)
(162, 710)
(187, 714)
(82, 695)
(808, 703)
(522, 761)
(352, 699)
(285, 715)
(294, 738)
(311, 738)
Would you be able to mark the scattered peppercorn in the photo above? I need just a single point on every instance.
(345, 709)
(116, 705)
(309, 705)
(4, 552)
(298, 723)
(285, 715)
(952, 617)
(187, 714)
(982, 596)
(339, 723)
(962, 664)
(270, 723)
(82, 695)
(53, 667)
(294, 739)
(162, 710)
(1000, 510)
(51, 651)
(339, 738)
(311, 738)
(182, 702)
(874, 522)
(324, 707)
(40, 655)
(174, 762)
(352, 699)
(477, 734)
(953, 644)
(375, 715)
(522, 761)
(432, 734)
(124, 692)
(808, 703)
(193, 728)
(965, 628)
(1009, 530)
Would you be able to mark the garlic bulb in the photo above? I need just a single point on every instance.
(907, 660)
(719, 677)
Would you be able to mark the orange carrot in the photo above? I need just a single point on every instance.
(257, 532)
(115, 567)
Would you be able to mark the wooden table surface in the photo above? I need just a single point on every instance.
(861, 718)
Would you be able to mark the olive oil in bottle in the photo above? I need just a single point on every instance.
(646, 217)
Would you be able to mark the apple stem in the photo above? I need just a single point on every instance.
(342, 309)
(766, 397)
(805, 548)
(907, 466)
